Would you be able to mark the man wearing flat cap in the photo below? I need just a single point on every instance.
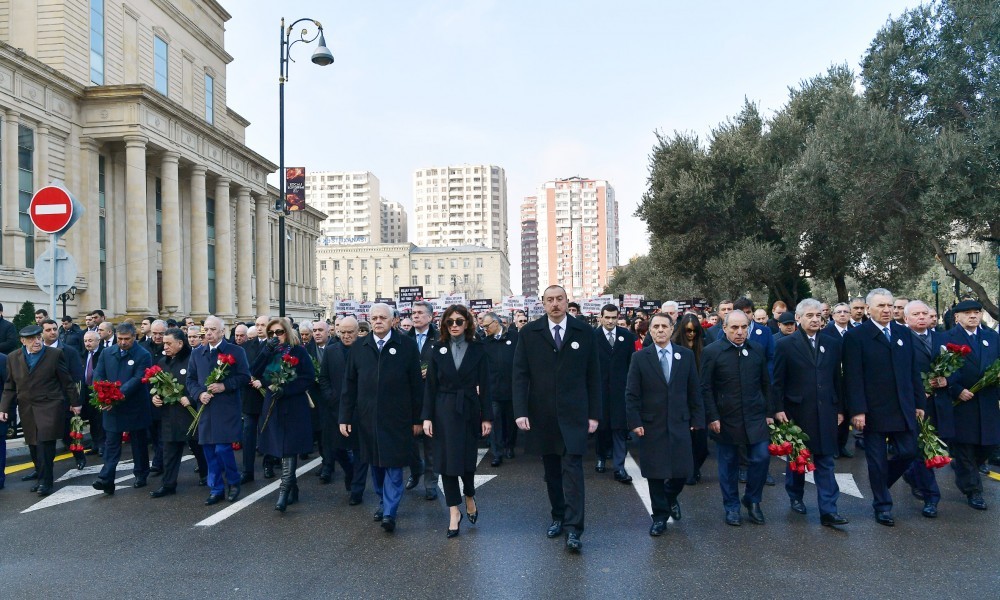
(39, 381)
(786, 325)
(976, 416)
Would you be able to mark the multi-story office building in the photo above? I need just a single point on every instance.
(368, 272)
(126, 104)
(461, 205)
(577, 224)
(393, 222)
(352, 203)
(529, 247)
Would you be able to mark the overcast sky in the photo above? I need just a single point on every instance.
(544, 89)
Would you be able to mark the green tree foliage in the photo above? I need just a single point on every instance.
(25, 316)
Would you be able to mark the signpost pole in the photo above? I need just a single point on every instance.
(53, 294)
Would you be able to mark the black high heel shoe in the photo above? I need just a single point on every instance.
(454, 532)
(473, 516)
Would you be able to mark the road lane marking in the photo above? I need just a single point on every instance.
(31, 465)
(479, 479)
(246, 501)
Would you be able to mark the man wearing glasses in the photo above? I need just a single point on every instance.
(841, 321)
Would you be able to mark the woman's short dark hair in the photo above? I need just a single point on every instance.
(462, 311)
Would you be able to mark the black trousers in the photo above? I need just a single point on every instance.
(564, 480)
(604, 443)
(966, 459)
(699, 444)
(154, 439)
(663, 493)
(43, 455)
(450, 485)
(172, 453)
(199, 456)
(423, 467)
(504, 435)
(249, 442)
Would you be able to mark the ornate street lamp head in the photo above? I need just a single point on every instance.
(322, 56)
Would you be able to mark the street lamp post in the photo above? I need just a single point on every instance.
(937, 305)
(322, 57)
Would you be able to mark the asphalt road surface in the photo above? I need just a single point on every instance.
(79, 543)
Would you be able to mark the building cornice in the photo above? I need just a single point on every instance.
(184, 21)
(235, 116)
(32, 65)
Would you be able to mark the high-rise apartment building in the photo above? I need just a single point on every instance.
(577, 221)
(529, 246)
(352, 204)
(461, 205)
(393, 222)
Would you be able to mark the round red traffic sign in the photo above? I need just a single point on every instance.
(51, 209)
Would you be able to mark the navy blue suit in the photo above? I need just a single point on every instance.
(134, 414)
(807, 388)
(883, 384)
(977, 421)
(615, 361)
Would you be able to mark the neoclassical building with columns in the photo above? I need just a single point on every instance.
(124, 103)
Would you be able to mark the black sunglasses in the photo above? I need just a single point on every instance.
(275, 332)
(458, 322)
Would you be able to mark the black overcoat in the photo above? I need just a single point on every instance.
(808, 389)
(614, 372)
(881, 377)
(978, 420)
(175, 420)
(285, 426)
(734, 387)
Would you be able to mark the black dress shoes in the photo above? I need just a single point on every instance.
(139, 483)
(675, 510)
(44, 490)
(600, 467)
(30, 476)
(34, 488)
(769, 480)
(108, 487)
(412, 481)
(798, 506)
(929, 510)
(81, 463)
(623, 477)
(846, 452)
(377, 517)
(246, 478)
(885, 518)
(234, 493)
(555, 529)
(694, 479)
(984, 469)
(389, 524)
(976, 501)
(202, 481)
(325, 476)
(497, 461)
(913, 487)
(754, 512)
(831, 519)
(430, 494)
(508, 453)
(163, 491)
(657, 528)
(354, 500)
(573, 543)
(268, 471)
(214, 499)
(734, 518)
(454, 532)
(154, 471)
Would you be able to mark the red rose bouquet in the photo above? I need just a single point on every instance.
(106, 394)
(788, 439)
(216, 375)
(950, 359)
(165, 385)
(933, 450)
(285, 373)
(76, 434)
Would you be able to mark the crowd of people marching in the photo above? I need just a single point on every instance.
(419, 392)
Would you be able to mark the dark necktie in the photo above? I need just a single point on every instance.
(90, 368)
(926, 339)
(556, 337)
(381, 343)
(319, 353)
(812, 343)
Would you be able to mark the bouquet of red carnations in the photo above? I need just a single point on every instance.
(788, 439)
(933, 450)
(950, 359)
(106, 394)
(166, 386)
(76, 434)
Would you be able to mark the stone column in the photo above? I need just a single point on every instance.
(244, 255)
(224, 280)
(13, 237)
(90, 224)
(171, 245)
(199, 244)
(263, 266)
(137, 271)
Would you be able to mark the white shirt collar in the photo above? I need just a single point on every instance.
(669, 347)
(388, 334)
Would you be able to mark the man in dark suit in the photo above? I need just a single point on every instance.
(922, 481)
(8, 335)
(884, 396)
(976, 416)
(839, 325)
(347, 336)
(39, 381)
(126, 362)
(252, 401)
(153, 343)
(734, 387)
(50, 337)
(500, 343)
(383, 394)
(662, 405)
(90, 357)
(615, 347)
(427, 337)
(221, 421)
(557, 403)
(71, 335)
(807, 389)
(334, 447)
(3, 427)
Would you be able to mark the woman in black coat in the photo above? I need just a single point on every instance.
(458, 409)
(285, 420)
(688, 333)
(175, 419)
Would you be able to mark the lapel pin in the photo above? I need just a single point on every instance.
(392, 350)
(677, 355)
(745, 353)
(621, 338)
(131, 362)
(985, 343)
(443, 350)
(758, 331)
(822, 349)
(184, 371)
(508, 342)
(899, 343)
(575, 345)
